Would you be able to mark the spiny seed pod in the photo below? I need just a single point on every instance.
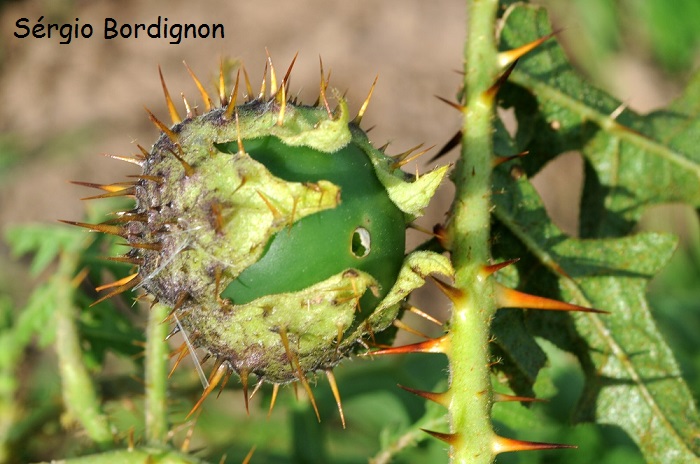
(275, 231)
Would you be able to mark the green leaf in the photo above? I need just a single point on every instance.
(622, 352)
(44, 240)
(632, 161)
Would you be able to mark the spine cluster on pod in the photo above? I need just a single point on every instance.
(274, 230)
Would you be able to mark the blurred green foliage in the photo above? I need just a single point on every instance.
(379, 415)
(658, 31)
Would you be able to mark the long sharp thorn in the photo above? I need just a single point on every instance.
(285, 343)
(285, 80)
(188, 108)
(217, 364)
(502, 397)
(273, 74)
(179, 301)
(322, 92)
(294, 362)
(174, 115)
(282, 96)
(124, 192)
(453, 293)
(424, 315)
(506, 445)
(126, 259)
(452, 143)
(248, 87)
(510, 298)
(442, 399)
(256, 388)
(178, 350)
(117, 283)
(127, 159)
(244, 381)
(492, 91)
(275, 212)
(106, 187)
(185, 447)
(202, 91)
(449, 438)
(249, 456)
(144, 152)
(156, 179)
(406, 154)
(273, 398)
(214, 380)
(172, 333)
(263, 85)
(234, 96)
(498, 160)
(510, 56)
(400, 325)
(336, 394)
(434, 345)
(218, 217)
(241, 149)
(163, 128)
(408, 159)
(309, 393)
(104, 228)
(183, 352)
(365, 104)
(127, 286)
(189, 170)
(493, 268)
(459, 107)
(222, 85)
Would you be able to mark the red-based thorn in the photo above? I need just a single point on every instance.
(442, 236)
(502, 397)
(493, 268)
(449, 438)
(454, 294)
(459, 107)
(510, 56)
(509, 298)
(492, 91)
(434, 345)
(498, 160)
(507, 445)
(442, 399)
(452, 143)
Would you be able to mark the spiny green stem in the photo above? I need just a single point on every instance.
(78, 391)
(470, 408)
(156, 376)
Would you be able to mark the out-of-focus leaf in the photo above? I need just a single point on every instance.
(44, 240)
(622, 352)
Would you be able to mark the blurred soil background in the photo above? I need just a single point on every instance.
(65, 105)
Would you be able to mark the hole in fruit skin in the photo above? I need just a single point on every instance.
(360, 244)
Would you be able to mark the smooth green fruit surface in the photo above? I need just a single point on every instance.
(365, 231)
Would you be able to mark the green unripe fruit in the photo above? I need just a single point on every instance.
(276, 232)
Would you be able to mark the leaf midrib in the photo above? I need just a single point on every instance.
(605, 122)
(579, 298)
